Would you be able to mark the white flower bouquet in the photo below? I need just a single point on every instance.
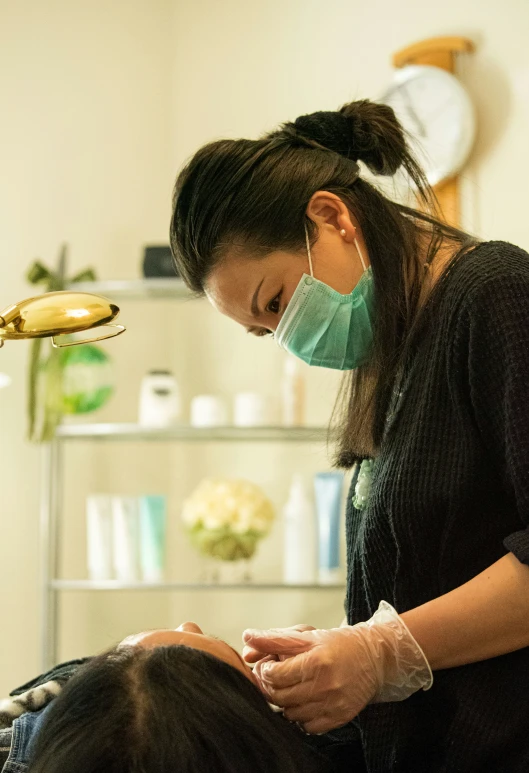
(226, 518)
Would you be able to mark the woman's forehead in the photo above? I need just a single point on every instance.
(230, 292)
(234, 280)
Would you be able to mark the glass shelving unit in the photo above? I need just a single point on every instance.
(51, 489)
(137, 289)
(114, 585)
(51, 512)
(185, 433)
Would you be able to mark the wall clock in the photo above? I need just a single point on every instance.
(437, 112)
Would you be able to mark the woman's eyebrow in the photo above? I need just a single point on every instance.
(231, 648)
(254, 306)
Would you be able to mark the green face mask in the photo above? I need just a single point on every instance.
(327, 329)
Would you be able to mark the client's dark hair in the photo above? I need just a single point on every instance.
(165, 710)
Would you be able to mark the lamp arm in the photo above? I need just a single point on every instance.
(9, 315)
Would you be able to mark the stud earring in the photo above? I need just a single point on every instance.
(343, 232)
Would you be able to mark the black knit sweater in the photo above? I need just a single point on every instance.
(450, 496)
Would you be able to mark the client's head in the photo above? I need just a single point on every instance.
(167, 702)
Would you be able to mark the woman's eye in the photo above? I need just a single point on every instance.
(275, 305)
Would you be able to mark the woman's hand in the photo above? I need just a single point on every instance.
(252, 655)
(327, 677)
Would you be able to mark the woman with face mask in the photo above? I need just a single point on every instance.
(286, 236)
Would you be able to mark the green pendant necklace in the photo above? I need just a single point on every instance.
(363, 484)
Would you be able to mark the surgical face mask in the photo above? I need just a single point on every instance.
(325, 328)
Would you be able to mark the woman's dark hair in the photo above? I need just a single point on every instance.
(166, 710)
(251, 196)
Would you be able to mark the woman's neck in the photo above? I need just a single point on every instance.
(434, 265)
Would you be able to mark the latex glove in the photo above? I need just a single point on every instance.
(329, 676)
(252, 655)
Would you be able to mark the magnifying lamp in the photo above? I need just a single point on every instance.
(65, 317)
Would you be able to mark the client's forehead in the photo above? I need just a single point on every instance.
(210, 644)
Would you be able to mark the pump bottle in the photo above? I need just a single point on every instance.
(299, 559)
(293, 393)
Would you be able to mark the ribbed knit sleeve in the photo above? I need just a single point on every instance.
(498, 374)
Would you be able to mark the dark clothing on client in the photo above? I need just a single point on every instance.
(21, 717)
(23, 735)
(449, 497)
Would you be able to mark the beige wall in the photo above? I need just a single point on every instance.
(101, 103)
(84, 146)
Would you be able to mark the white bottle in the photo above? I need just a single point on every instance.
(160, 404)
(99, 537)
(126, 543)
(299, 560)
(293, 393)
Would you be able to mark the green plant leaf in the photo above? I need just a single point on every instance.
(38, 273)
(87, 275)
(45, 376)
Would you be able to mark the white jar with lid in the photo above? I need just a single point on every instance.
(160, 404)
(250, 409)
(208, 411)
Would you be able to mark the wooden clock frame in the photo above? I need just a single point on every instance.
(439, 52)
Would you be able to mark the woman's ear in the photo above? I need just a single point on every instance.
(327, 209)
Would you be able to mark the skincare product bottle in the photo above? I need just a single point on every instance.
(293, 393)
(250, 410)
(208, 411)
(299, 560)
(125, 529)
(328, 493)
(152, 537)
(160, 404)
(99, 537)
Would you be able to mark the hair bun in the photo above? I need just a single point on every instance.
(329, 129)
(362, 131)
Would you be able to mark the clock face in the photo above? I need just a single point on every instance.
(433, 107)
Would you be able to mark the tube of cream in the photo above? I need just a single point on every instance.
(328, 493)
(99, 537)
(125, 534)
(152, 537)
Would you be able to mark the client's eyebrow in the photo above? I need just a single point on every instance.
(231, 648)
(254, 307)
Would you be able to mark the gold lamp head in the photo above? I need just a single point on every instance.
(53, 315)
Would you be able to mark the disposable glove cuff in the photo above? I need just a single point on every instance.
(401, 664)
